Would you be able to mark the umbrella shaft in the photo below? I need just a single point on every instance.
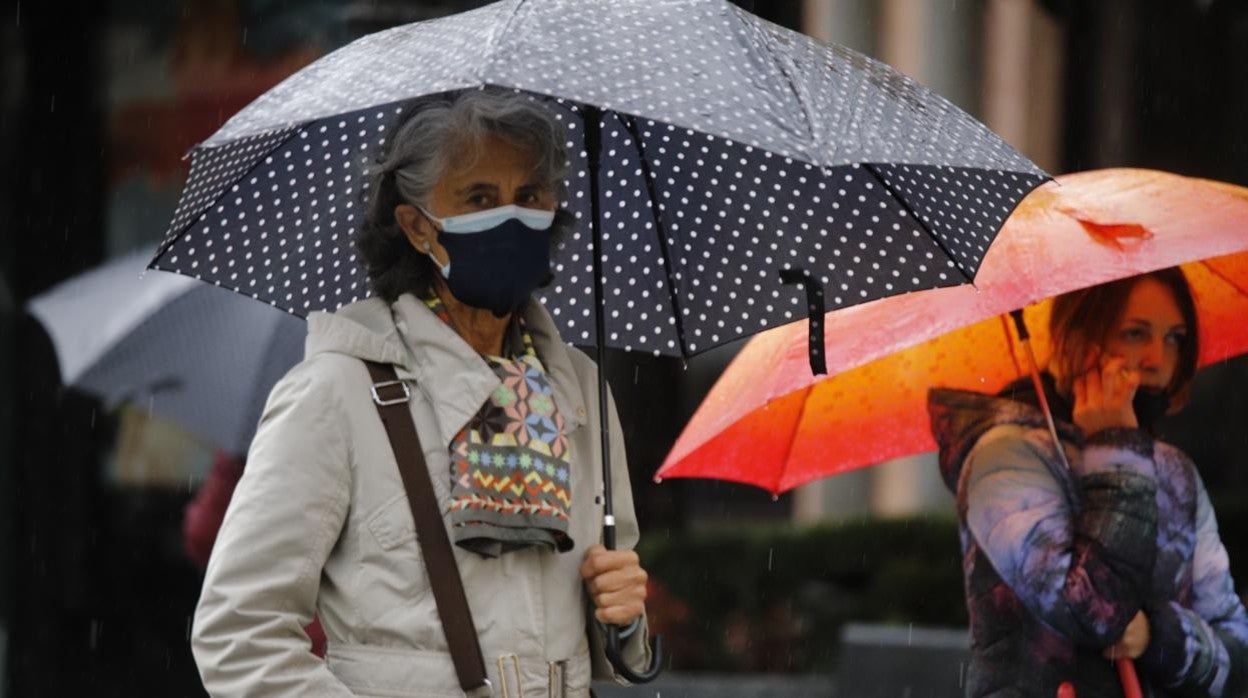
(593, 151)
(1025, 338)
(608, 536)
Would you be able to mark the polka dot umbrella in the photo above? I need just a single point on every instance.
(729, 148)
(716, 157)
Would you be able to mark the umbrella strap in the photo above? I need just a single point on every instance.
(814, 315)
(392, 396)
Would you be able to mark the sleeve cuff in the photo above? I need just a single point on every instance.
(1167, 642)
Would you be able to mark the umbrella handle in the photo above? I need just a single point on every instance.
(1130, 681)
(814, 315)
(615, 655)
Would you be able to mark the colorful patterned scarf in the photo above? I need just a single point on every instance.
(510, 465)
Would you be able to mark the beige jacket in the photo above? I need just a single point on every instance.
(320, 525)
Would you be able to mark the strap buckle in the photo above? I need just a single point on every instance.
(386, 402)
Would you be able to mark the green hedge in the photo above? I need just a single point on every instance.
(770, 598)
(775, 598)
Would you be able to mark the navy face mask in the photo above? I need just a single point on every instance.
(497, 257)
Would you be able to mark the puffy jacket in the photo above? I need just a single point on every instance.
(1058, 561)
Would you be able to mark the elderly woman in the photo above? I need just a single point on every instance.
(463, 215)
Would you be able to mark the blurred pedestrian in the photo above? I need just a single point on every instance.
(463, 212)
(1116, 556)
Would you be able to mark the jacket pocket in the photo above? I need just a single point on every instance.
(392, 580)
(392, 525)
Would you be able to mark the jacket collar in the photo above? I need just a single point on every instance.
(456, 380)
(362, 330)
(960, 417)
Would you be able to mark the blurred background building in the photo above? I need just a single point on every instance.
(100, 101)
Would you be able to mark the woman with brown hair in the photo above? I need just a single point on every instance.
(1116, 555)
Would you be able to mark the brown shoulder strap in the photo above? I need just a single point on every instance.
(391, 397)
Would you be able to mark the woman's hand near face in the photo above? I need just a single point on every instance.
(617, 584)
(1103, 396)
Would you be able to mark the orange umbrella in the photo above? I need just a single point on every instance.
(768, 422)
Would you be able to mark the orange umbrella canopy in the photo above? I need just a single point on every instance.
(768, 422)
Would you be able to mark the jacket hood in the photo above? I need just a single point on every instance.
(960, 417)
(364, 330)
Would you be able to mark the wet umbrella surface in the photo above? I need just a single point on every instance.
(730, 149)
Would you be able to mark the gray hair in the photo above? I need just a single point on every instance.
(428, 140)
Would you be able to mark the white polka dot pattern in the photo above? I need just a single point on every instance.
(962, 208)
(733, 215)
(423, 58)
(705, 65)
(731, 149)
(213, 170)
(696, 267)
(638, 293)
(281, 231)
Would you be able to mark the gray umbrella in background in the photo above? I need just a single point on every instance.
(197, 355)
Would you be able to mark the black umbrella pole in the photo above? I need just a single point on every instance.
(593, 152)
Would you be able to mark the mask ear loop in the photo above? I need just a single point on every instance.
(445, 269)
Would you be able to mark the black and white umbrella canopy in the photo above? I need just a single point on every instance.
(730, 149)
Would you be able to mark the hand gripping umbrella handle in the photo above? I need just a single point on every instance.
(615, 653)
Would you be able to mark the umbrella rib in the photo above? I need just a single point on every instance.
(491, 55)
(1229, 281)
(630, 124)
(785, 64)
(792, 440)
(1009, 342)
(174, 237)
(970, 278)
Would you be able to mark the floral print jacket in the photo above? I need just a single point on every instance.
(1058, 561)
